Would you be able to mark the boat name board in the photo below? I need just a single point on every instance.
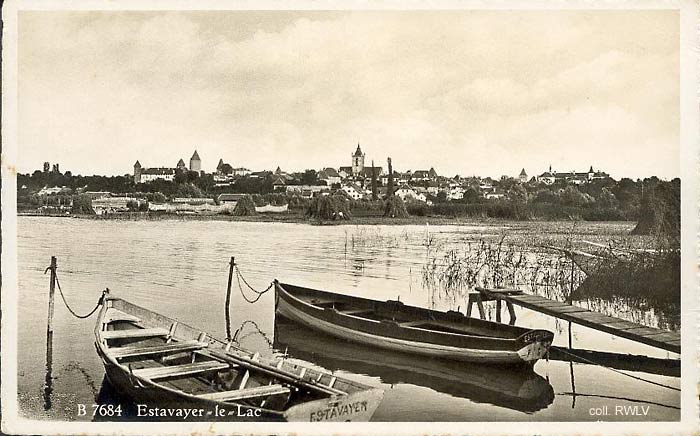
(337, 410)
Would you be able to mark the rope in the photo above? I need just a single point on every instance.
(259, 294)
(257, 330)
(60, 291)
(620, 372)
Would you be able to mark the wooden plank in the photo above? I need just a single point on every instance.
(114, 315)
(180, 370)
(176, 347)
(246, 394)
(134, 333)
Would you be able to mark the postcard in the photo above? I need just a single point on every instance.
(316, 217)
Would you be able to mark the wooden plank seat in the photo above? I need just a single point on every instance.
(181, 370)
(246, 394)
(134, 333)
(175, 347)
(115, 315)
(414, 323)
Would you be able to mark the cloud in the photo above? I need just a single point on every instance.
(484, 92)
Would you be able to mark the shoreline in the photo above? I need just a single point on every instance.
(297, 218)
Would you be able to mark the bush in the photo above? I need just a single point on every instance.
(395, 208)
(417, 208)
(329, 207)
(244, 207)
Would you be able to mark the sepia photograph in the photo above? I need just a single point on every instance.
(271, 218)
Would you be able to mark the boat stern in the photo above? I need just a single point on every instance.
(534, 345)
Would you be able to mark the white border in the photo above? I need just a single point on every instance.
(690, 176)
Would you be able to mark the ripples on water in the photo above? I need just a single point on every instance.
(180, 269)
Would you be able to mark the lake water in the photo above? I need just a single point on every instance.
(180, 269)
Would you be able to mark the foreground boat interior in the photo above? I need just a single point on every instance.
(151, 357)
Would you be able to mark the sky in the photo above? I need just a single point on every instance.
(466, 92)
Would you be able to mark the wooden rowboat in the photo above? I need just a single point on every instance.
(399, 327)
(163, 365)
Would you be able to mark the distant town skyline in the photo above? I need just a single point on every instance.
(483, 93)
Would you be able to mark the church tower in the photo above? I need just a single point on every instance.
(358, 161)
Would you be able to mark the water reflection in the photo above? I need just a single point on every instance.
(518, 389)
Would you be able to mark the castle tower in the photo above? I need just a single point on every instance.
(195, 162)
(358, 161)
(137, 172)
(181, 165)
(523, 176)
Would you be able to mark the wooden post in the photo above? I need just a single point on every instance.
(48, 379)
(228, 297)
(498, 310)
(511, 311)
(480, 305)
(52, 290)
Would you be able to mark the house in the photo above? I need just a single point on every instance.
(455, 193)
(405, 192)
(353, 191)
(240, 171)
(345, 172)
(279, 184)
(229, 199)
(307, 191)
(495, 194)
(94, 195)
(329, 175)
(193, 201)
(107, 205)
(259, 174)
(366, 172)
(424, 175)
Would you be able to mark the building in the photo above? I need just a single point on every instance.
(230, 199)
(307, 191)
(151, 174)
(181, 165)
(494, 194)
(571, 177)
(523, 176)
(353, 191)
(137, 172)
(424, 175)
(358, 161)
(195, 162)
(406, 192)
(329, 175)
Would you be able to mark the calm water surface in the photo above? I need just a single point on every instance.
(180, 269)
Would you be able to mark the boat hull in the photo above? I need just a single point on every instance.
(527, 349)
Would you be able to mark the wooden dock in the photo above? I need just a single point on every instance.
(664, 339)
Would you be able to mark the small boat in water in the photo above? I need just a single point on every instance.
(164, 365)
(399, 327)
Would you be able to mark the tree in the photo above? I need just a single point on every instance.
(606, 199)
(309, 177)
(374, 183)
(82, 204)
(390, 182)
(517, 194)
(571, 196)
(394, 207)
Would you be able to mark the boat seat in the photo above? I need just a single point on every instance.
(174, 347)
(115, 315)
(134, 333)
(180, 370)
(246, 394)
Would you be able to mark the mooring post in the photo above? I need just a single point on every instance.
(48, 379)
(498, 310)
(228, 297)
(52, 289)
